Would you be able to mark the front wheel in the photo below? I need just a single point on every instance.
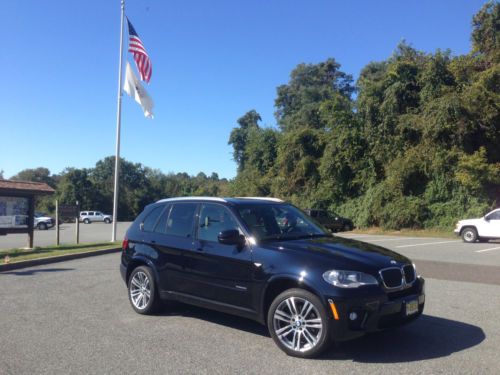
(86, 221)
(469, 235)
(107, 221)
(142, 291)
(42, 226)
(298, 323)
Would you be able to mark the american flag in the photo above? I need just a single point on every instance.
(140, 55)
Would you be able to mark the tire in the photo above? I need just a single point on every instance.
(86, 221)
(142, 291)
(42, 226)
(469, 234)
(107, 221)
(298, 323)
(346, 228)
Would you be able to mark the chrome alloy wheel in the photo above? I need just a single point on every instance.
(297, 324)
(140, 290)
(469, 235)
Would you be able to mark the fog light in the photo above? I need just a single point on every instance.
(353, 316)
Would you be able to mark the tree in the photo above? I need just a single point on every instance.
(486, 32)
(239, 136)
(297, 103)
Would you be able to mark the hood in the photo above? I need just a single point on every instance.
(346, 253)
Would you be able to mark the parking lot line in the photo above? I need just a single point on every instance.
(396, 239)
(491, 249)
(427, 243)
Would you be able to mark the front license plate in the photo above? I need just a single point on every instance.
(411, 307)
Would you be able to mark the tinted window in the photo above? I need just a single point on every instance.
(177, 220)
(214, 219)
(280, 221)
(91, 214)
(149, 222)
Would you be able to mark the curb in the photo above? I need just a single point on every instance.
(55, 259)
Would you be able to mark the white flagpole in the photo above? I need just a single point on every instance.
(118, 125)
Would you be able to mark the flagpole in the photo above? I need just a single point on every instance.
(118, 125)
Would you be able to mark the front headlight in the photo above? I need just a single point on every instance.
(349, 279)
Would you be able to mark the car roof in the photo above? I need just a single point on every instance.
(235, 200)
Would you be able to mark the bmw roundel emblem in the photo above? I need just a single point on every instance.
(393, 261)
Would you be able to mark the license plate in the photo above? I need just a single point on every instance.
(411, 307)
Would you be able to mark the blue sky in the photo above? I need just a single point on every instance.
(212, 62)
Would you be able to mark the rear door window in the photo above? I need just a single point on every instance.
(178, 220)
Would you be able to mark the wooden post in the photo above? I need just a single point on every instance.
(31, 216)
(57, 222)
(77, 230)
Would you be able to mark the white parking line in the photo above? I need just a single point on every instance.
(396, 239)
(427, 243)
(484, 250)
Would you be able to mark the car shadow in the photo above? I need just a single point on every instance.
(180, 309)
(35, 271)
(428, 337)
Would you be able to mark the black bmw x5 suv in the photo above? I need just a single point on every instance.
(264, 259)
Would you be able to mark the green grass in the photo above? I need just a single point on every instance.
(17, 255)
(441, 233)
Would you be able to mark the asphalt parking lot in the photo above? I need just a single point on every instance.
(95, 232)
(74, 317)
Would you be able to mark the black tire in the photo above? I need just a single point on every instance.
(469, 234)
(317, 340)
(86, 221)
(346, 228)
(42, 226)
(107, 221)
(142, 276)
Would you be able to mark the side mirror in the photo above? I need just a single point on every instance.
(231, 237)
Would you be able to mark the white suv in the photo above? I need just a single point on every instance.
(485, 228)
(91, 216)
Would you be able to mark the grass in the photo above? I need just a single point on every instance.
(441, 233)
(17, 255)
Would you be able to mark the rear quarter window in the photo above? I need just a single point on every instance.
(151, 218)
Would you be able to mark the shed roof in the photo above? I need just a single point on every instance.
(25, 187)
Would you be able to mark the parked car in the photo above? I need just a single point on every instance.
(333, 222)
(43, 222)
(482, 229)
(95, 216)
(239, 256)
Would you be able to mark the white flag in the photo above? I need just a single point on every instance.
(134, 88)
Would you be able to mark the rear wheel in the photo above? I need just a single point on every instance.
(142, 290)
(86, 221)
(42, 226)
(298, 323)
(346, 228)
(469, 235)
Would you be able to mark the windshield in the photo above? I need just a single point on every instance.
(279, 222)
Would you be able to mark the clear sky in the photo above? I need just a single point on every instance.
(212, 62)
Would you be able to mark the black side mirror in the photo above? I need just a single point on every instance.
(231, 237)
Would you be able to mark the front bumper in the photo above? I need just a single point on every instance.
(368, 314)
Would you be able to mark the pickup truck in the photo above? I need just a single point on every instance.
(481, 229)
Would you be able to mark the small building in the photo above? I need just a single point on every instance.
(17, 206)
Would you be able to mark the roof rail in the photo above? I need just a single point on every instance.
(263, 199)
(177, 199)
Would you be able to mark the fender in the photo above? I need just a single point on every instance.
(139, 258)
(300, 279)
